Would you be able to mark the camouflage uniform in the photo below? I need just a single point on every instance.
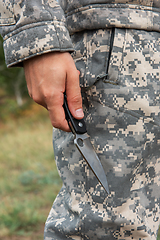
(122, 111)
(119, 63)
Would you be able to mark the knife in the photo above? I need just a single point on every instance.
(82, 142)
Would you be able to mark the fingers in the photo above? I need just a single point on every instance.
(56, 112)
(50, 75)
(73, 93)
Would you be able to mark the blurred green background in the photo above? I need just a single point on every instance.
(29, 181)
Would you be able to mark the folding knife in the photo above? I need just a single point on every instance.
(82, 142)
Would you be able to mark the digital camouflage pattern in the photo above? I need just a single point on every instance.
(31, 28)
(34, 27)
(121, 97)
(96, 14)
(122, 112)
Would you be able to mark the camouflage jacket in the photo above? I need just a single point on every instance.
(35, 27)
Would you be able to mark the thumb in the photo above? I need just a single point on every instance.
(74, 98)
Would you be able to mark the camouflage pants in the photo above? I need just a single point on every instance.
(122, 112)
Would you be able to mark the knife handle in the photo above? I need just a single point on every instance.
(76, 125)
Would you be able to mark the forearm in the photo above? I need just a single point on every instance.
(36, 29)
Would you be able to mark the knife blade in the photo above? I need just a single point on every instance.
(83, 143)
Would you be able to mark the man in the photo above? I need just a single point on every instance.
(116, 48)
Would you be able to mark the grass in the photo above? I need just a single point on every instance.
(29, 181)
(158, 237)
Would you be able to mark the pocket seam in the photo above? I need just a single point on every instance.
(114, 74)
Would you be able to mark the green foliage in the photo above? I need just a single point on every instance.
(31, 178)
(18, 216)
(29, 181)
(12, 81)
(158, 238)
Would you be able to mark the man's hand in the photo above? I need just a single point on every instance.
(48, 76)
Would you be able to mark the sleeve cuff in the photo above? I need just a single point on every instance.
(35, 40)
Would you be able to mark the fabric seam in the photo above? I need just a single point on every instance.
(104, 6)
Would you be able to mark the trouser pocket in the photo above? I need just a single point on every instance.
(110, 49)
(92, 50)
(98, 55)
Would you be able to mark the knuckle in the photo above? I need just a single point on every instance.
(46, 94)
(50, 95)
(56, 125)
(36, 98)
(60, 124)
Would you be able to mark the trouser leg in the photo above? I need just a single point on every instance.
(122, 115)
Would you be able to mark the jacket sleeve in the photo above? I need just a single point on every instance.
(32, 27)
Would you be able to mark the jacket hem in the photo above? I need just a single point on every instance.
(114, 15)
